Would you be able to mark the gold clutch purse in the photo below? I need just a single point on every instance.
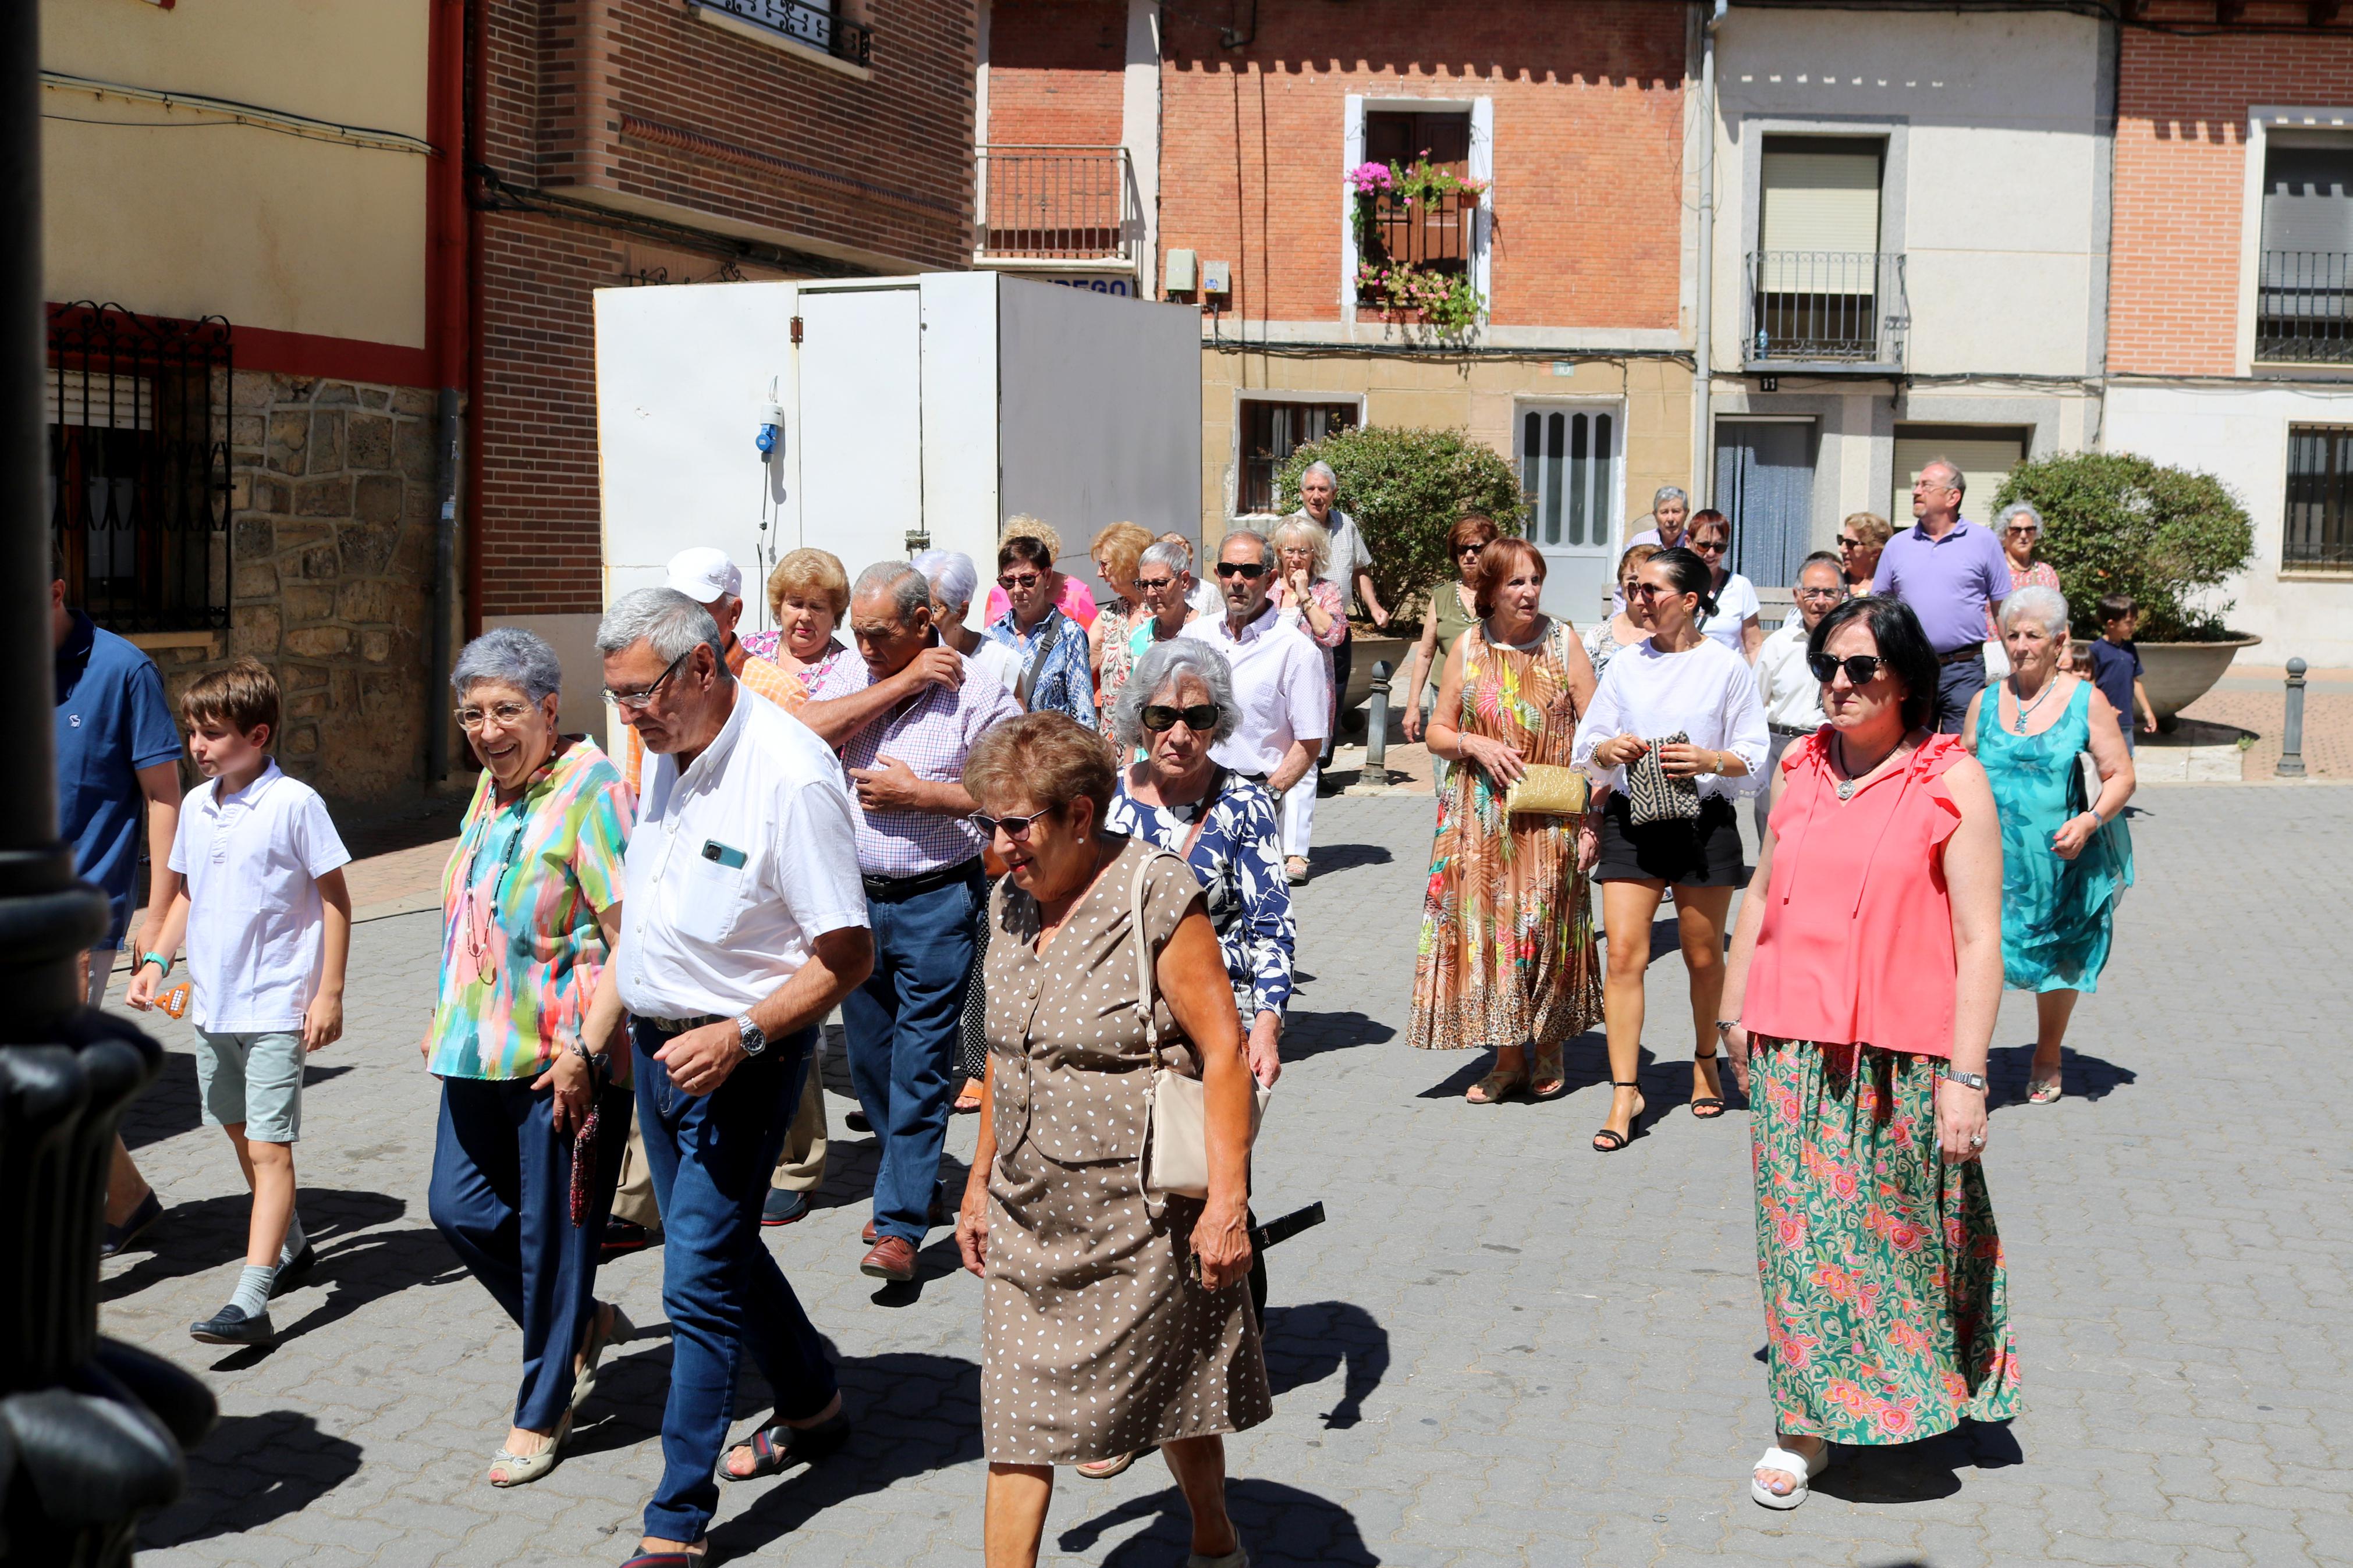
(1548, 789)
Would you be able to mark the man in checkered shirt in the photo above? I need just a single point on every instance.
(903, 717)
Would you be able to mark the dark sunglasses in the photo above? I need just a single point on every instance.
(1201, 717)
(1154, 584)
(1469, 549)
(1250, 569)
(1716, 547)
(1020, 580)
(1847, 543)
(1861, 669)
(1017, 828)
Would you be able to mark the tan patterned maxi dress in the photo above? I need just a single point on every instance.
(1507, 953)
(1095, 1342)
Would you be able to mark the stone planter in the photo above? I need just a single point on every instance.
(1370, 649)
(2177, 674)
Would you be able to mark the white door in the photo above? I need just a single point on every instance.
(861, 436)
(1569, 468)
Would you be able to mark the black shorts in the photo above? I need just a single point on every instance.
(1689, 852)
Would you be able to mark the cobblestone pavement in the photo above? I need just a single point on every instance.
(1503, 1350)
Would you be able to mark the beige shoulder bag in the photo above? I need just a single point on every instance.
(1175, 1159)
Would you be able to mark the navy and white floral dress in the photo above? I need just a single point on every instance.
(1239, 858)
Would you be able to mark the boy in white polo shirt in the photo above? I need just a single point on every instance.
(268, 924)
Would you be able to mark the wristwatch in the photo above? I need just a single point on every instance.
(754, 1039)
(1975, 1081)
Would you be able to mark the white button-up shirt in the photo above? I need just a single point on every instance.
(1793, 698)
(1279, 685)
(257, 924)
(736, 866)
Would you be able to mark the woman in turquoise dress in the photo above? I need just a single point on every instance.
(2066, 856)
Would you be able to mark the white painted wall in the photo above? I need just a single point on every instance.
(2000, 174)
(2240, 434)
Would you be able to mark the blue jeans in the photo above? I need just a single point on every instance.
(1955, 683)
(710, 1159)
(501, 1197)
(903, 1029)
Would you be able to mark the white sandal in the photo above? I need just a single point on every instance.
(1791, 1463)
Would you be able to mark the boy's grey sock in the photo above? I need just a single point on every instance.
(295, 1241)
(252, 1296)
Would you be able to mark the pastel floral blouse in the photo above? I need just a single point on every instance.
(1239, 858)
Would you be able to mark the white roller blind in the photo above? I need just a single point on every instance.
(1986, 460)
(1819, 201)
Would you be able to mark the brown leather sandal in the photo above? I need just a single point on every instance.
(1495, 1087)
(1548, 1070)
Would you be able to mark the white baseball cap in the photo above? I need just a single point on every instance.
(705, 575)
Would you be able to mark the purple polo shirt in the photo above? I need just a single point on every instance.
(1949, 582)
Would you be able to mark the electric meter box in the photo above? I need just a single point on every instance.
(915, 410)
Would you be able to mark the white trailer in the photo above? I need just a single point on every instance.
(909, 411)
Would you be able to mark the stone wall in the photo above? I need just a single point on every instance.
(331, 562)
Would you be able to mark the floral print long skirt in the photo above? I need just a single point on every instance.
(1886, 1309)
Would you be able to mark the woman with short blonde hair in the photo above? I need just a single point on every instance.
(1862, 537)
(808, 592)
(1116, 552)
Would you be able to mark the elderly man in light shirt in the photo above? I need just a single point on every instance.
(1279, 681)
(905, 715)
(1793, 698)
(1954, 575)
(744, 925)
(1350, 569)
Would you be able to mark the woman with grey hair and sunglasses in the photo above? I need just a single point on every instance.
(1178, 703)
(2020, 531)
(521, 1038)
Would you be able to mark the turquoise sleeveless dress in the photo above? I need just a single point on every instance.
(2056, 915)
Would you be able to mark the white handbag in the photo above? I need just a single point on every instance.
(1175, 1159)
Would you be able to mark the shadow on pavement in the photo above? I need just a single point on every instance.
(1325, 859)
(2086, 1078)
(250, 1470)
(1307, 1343)
(1278, 1524)
(209, 1233)
(1921, 1471)
(1310, 1033)
(914, 1414)
(361, 1271)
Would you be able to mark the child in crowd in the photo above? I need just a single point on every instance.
(268, 924)
(2116, 665)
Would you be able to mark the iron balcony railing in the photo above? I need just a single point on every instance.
(1433, 235)
(2304, 307)
(810, 22)
(1056, 204)
(138, 466)
(1826, 307)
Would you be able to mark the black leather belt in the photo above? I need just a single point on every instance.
(923, 881)
(1792, 731)
(1961, 654)
(677, 1025)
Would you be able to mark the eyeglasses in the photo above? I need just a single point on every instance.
(1820, 593)
(508, 714)
(638, 701)
(1651, 591)
(1249, 570)
(1469, 549)
(1700, 547)
(1020, 580)
(1154, 584)
(1846, 542)
(1201, 717)
(1017, 828)
(2030, 531)
(1861, 669)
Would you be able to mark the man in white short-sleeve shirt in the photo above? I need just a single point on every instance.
(1793, 698)
(744, 924)
(1349, 571)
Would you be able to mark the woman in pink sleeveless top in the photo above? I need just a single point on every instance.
(1858, 1003)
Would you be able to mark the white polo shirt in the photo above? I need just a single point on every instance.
(1793, 698)
(1279, 685)
(736, 868)
(253, 859)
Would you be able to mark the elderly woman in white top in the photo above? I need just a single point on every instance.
(954, 580)
(1680, 711)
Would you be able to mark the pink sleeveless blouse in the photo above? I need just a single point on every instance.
(1857, 945)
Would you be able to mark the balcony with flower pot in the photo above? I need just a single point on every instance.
(1419, 238)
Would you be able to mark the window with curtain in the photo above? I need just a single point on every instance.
(1271, 432)
(1569, 470)
(1765, 485)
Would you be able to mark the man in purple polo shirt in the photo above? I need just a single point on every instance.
(904, 717)
(1953, 573)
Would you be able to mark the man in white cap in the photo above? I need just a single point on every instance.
(712, 579)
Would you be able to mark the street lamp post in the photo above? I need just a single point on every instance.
(91, 1431)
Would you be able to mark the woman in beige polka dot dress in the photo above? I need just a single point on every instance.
(1111, 1323)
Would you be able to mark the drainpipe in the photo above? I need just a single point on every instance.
(1703, 348)
(448, 223)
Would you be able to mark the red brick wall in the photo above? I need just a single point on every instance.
(1588, 146)
(639, 97)
(2180, 180)
(1055, 72)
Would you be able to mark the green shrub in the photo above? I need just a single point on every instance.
(2116, 523)
(1406, 488)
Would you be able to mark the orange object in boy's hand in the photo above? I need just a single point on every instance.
(174, 1002)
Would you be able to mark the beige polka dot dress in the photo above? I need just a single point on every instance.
(1095, 1341)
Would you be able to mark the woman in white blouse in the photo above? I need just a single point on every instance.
(1683, 683)
(1734, 621)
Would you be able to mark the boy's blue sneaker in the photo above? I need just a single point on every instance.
(231, 1326)
(118, 1237)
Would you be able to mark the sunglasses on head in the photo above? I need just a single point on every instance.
(1250, 569)
(1016, 827)
(1861, 669)
(1199, 717)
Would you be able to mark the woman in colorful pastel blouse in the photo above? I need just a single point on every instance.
(532, 906)
(1177, 703)
(1859, 998)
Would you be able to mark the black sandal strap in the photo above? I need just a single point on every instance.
(1617, 1140)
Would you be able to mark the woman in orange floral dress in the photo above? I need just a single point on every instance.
(1507, 958)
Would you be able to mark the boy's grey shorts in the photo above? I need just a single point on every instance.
(255, 1078)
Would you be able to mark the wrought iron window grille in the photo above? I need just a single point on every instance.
(1827, 307)
(814, 26)
(2304, 307)
(138, 466)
